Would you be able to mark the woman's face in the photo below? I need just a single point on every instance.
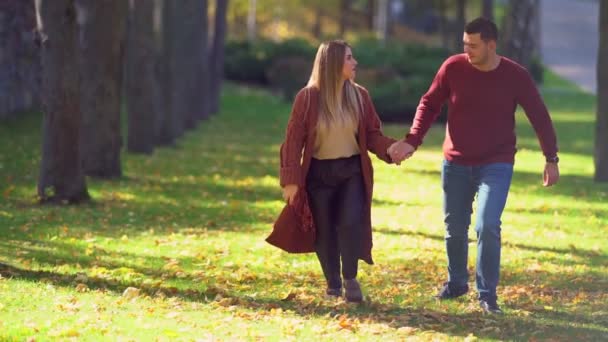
(350, 65)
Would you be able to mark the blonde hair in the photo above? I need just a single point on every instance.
(339, 100)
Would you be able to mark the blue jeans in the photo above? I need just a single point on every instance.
(491, 183)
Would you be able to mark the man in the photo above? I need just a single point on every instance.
(483, 90)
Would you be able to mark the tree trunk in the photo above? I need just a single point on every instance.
(370, 10)
(461, 21)
(141, 78)
(171, 126)
(19, 58)
(102, 36)
(443, 24)
(217, 55)
(344, 14)
(201, 96)
(61, 177)
(189, 62)
(487, 9)
(601, 130)
(251, 20)
(317, 28)
(520, 31)
(382, 20)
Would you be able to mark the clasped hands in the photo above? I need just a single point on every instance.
(400, 151)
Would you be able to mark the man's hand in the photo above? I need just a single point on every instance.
(289, 193)
(400, 151)
(551, 174)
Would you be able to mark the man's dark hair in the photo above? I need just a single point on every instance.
(485, 27)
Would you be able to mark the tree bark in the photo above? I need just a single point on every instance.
(141, 78)
(520, 33)
(461, 21)
(601, 130)
(382, 20)
(443, 24)
(217, 55)
(171, 126)
(19, 58)
(344, 14)
(61, 177)
(487, 9)
(252, 20)
(102, 36)
(317, 28)
(370, 10)
(189, 62)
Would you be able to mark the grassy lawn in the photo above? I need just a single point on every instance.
(175, 250)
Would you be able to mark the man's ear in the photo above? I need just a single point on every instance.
(492, 45)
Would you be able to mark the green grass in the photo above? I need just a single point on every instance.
(185, 229)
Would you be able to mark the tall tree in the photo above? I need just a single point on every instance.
(521, 32)
(382, 19)
(189, 61)
(61, 177)
(461, 21)
(601, 130)
(171, 125)
(487, 9)
(217, 55)
(444, 30)
(102, 36)
(251, 20)
(344, 15)
(369, 13)
(140, 78)
(19, 61)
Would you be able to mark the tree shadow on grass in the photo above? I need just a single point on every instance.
(585, 257)
(554, 325)
(593, 281)
(578, 187)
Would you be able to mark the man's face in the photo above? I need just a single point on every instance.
(477, 50)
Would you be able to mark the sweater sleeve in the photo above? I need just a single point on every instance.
(529, 98)
(429, 107)
(295, 138)
(377, 142)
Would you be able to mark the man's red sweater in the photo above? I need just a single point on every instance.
(481, 111)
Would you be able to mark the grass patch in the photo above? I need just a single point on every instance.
(185, 228)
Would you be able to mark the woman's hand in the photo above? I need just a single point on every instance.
(289, 193)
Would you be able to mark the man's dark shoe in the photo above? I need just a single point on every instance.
(352, 291)
(449, 291)
(489, 306)
(334, 292)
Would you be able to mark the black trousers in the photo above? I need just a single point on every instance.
(336, 196)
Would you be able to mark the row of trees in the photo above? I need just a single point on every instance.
(159, 58)
(94, 52)
(520, 23)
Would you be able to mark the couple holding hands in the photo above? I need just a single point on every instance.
(325, 165)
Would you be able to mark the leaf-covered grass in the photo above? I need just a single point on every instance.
(175, 250)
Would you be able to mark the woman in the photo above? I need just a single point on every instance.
(325, 165)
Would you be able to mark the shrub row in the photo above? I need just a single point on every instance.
(396, 74)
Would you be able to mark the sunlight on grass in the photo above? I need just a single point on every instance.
(175, 249)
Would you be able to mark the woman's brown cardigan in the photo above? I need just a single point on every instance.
(296, 154)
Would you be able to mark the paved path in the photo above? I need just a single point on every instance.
(569, 39)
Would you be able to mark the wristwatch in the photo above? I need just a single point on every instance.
(554, 159)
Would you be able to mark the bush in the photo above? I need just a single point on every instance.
(396, 74)
(250, 62)
(243, 63)
(537, 70)
(288, 75)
